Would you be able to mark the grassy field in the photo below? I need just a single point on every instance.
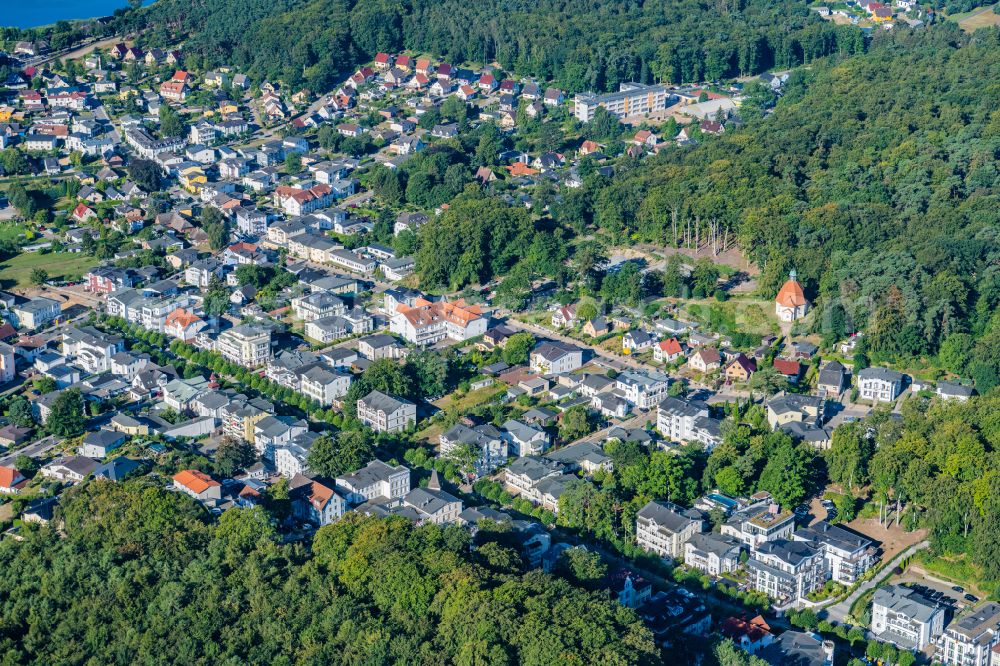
(983, 17)
(16, 271)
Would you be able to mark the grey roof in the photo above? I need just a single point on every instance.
(480, 435)
(665, 515)
(806, 432)
(907, 601)
(954, 389)
(373, 472)
(533, 468)
(597, 382)
(883, 374)
(713, 543)
(552, 351)
(384, 403)
(679, 407)
(833, 535)
(579, 452)
(104, 438)
(521, 431)
(117, 469)
(428, 501)
(832, 374)
(794, 648)
(790, 552)
(379, 340)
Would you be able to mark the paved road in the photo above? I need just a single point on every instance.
(617, 362)
(36, 450)
(837, 612)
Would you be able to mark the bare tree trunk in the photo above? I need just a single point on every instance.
(673, 223)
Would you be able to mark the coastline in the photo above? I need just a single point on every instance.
(75, 21)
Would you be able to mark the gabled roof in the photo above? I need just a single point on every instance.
(195, 481)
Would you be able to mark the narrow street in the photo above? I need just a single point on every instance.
(837, 612)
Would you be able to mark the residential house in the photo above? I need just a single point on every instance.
(314, 501)
(663, 528)
(970, 640)
(668, 351)
(485, 440)
(385, 413)
(100, 443)
(247, 345)
(564, 316)
(715, 554)
(787, 571)
(426, 323)
(879, 384)
(706, 359)
(198, 485)
(759, 524)
(556, 358)
(374, 481)
(906, 617)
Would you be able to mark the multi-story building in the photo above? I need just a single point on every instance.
(240, 417)
(847, 555)
(35, 313)
(556, 358)
(272, 432)
(524, 439)
(905, 617)
(317, 305)
(374, 480)
(794, 407)
(663, 528)
(246, 345)
(426, 323)
(879, 384)
(715, 554)
(293, 458)
(90, 348)
(787, 570)
(685, 422)
(760, 524)
(643, 389)
(632, 99)
(486, 440)
(315, 501)
(324, 384)
(969, 641)
(384, 413)
(147, 147)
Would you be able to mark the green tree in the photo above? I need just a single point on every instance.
(575, 424)
(66, 418)
(39, 276)
(233, 456)
(518, 348)
(19, 412)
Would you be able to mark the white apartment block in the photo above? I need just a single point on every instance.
(632, 99)
(787, 570)
(904, 617)
(384, 413)
(375, 480)
(643, 389)
(661, 528)
(246, 345)
(970, 640)
(879, 384)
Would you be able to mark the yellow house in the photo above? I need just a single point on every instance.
(193, 179)
(6, 112)
(228, 108)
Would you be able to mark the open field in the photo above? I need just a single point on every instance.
(16, 271)
(983, 17)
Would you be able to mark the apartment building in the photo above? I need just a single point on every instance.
(879, 384)
(632, 99)
(682, 421)
(663, 528)
(374, 480)
(905, 617)
(385, 413)
(760, 524)
(847, 555)
(246, 345)
(90, 348)
(970, 640)
(643, 389)
(787, 570)
(426, 323)
(715, 554)
(317, 305)
(485, 439)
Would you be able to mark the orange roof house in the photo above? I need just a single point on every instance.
(11, 481)
(197, 484)
(521, 169)
(791, 303)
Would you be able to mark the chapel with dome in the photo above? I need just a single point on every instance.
(791, 303)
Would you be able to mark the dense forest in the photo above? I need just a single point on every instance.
(141, 576)
(876, 181)
(578, 44)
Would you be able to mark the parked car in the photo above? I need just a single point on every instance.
(958, 588)
(971, 598)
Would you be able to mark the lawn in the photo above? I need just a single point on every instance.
(12, 232)
(982, 18)
(16, 271)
